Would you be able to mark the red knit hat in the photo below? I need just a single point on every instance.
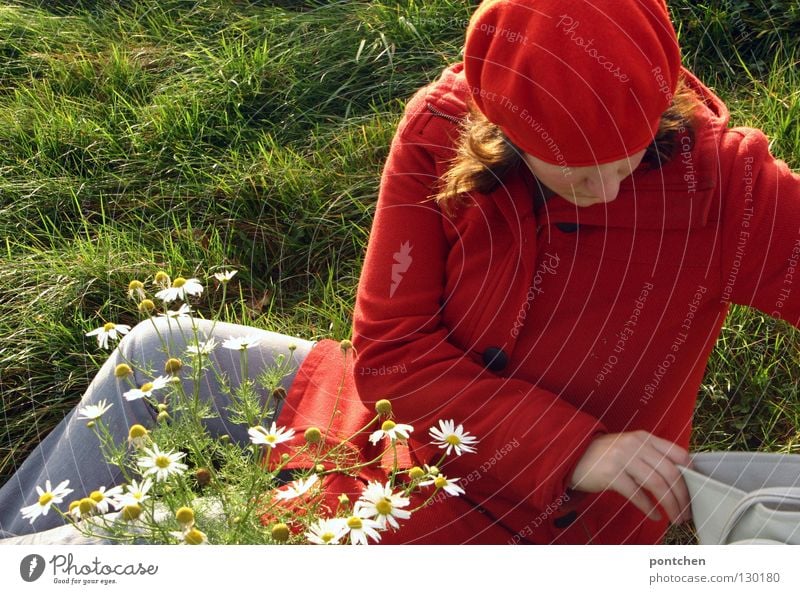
(576, 82)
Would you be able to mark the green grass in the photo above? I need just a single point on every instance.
(143, 134)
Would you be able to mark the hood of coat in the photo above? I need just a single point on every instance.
(678, 195)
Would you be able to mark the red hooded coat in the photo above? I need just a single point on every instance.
(541, 326)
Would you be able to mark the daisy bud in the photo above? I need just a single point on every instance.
(346, 345)
(194, 537)
(415, 473)
(225, 438)
(280, 532)
(162, 407)
(383, 407)
(292, 347)
(284, 457)
(162, 417)
(146, 306)
(344, 500)
(173, 365)
(185, 517)
(203, 476)
(162, 278)
(312, 435)
(131, 512)
(86, 505)
(319, 468)
(433, 470)
(279, 393)
(122, 370)
(90, 424)
(137, 434)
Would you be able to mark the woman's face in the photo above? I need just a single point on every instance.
(584, 186)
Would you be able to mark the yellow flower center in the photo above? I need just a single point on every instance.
(383, 407)
(384, 506)
(74, 504)
(122, 370)
(163, 461)
(388, 425)
(173, 365)
(354, 523)
(439, 482)
(131, 512)
(161, 277)
(146, 305)
(271, 438)
(194, 537)
(326, 536)
(108, 326)
(86, 506)
(96, 496)
(135, 285)
(184, 515)
(147, 387)
(453, 439)
(280, 532)
(46, 498)
(416, 473)
(179, 282)
(137, 431)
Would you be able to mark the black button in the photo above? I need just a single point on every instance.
(495, 359)
(567, 227)
(566, 519)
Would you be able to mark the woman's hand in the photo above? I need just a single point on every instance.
(633, 464)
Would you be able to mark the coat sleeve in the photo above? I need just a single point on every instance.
(530, 440)
(761, 228)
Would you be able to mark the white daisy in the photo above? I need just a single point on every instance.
(109, 331)
(442, 482)
(148, 388)
(391, 430)
(94, 411)
(377, 501)
(182, 312)
(135, 493)
(161, 464)
(327, 531)
(103, 498)
(47, 497)
(179, 289)
(271, 438)
(242, 343)
(359, 528)
(225, 276)
(453, 438)
(297, 488)
(202, 348)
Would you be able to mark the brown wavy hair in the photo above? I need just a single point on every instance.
(484, 154)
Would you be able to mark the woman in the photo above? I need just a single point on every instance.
(563, 220)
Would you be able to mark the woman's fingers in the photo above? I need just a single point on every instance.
(658, 480)
(626, 486)
(677, 486)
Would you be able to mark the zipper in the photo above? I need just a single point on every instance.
(442, 114)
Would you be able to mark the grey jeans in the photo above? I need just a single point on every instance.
(71, 450)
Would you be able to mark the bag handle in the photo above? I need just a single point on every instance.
(769, 495)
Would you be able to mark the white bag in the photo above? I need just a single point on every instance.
(745, 497)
